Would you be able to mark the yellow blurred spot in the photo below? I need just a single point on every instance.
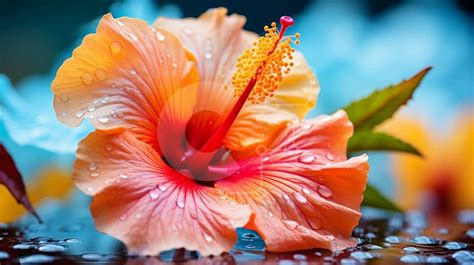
(49, 184)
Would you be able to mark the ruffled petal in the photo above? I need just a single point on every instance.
(217, 40)
(122, 76)
(303, 191)
(139, 200)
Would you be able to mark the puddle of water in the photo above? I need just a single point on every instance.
(385, 240)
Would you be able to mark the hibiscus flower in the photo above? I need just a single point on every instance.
(200, 130)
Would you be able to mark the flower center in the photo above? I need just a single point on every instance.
(259, 71)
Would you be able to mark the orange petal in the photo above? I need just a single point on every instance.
(149, 206)
(303, 191)
(217, 40)
(122, 76)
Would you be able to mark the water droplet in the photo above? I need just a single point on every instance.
(290, 224)
(317, 253)
(411, 250)
(120, 23)
(92, 256)
(394, 239)
(300, 197)
(306, 157)
(324, 191)
(4, 255)
(95, 174)
(115, 47)
(123, 176)
(412, 258)
(424, 240)
(91, 108)
(250, 246)
(154, 194)
(470, 233)
(462, 256)
(51, 248)
(23, 246)
(454, 245)
(207, 237)
(123, 217)
(208, 55)
(103, 119)
(87, 79)
(92, 166)
(330, 156)
(64, 98)
(330, 237)
(37, 258)
(373, 247)
(133, 71)
(306, 126)
(314, 222)
(306, 191)
(100, 74)
(285, 196)
(187, 31)
(175, 65)
(436, 259)
(361, 255)
(90, 189)
(72, 240)
(299, 257)
(265, 158)
(133, 36)
(79, 114)
(466, 217)
(63, 114)
(270, 214)
(249, 235)
(162, 187)
(180, 204)
(160, 36)
(286, 262)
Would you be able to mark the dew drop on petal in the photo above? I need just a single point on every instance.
(160, 36)
(153, 195)
(95, 174)
(133, 36)
(306, 157)
(411, 258)
(133, 71)
(4, 255)
(306, 126)
(103, 119)
(330, 237)
(454, 245)
(300, 197)
(79, 114)
(306, 191)
(299, 257)
(207, 237)
(208, 55)
(330, 156)
(115, 47)
(265, 158)
(411, 250)
(51, 248)
(123, 217)
(120, 23)
(290, 224)
(87, 79)
(92, 166)
(324, 191)
(36, 258)
(175, 65)
(91, 108)
(286, 197)
(64, 98)
(162, 187)
(180, 204)
(100, 74)
(314, 222)
(123, 176)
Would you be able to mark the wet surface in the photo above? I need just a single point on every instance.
(388, 239)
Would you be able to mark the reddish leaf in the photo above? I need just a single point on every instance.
(11, 178)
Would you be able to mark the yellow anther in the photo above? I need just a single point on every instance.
(265, 63)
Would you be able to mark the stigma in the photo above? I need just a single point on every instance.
(265, 63)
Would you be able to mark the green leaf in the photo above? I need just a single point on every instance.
(368, 112)
(373, 198)
(378, 141)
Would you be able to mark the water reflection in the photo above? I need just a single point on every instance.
(381, 240)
